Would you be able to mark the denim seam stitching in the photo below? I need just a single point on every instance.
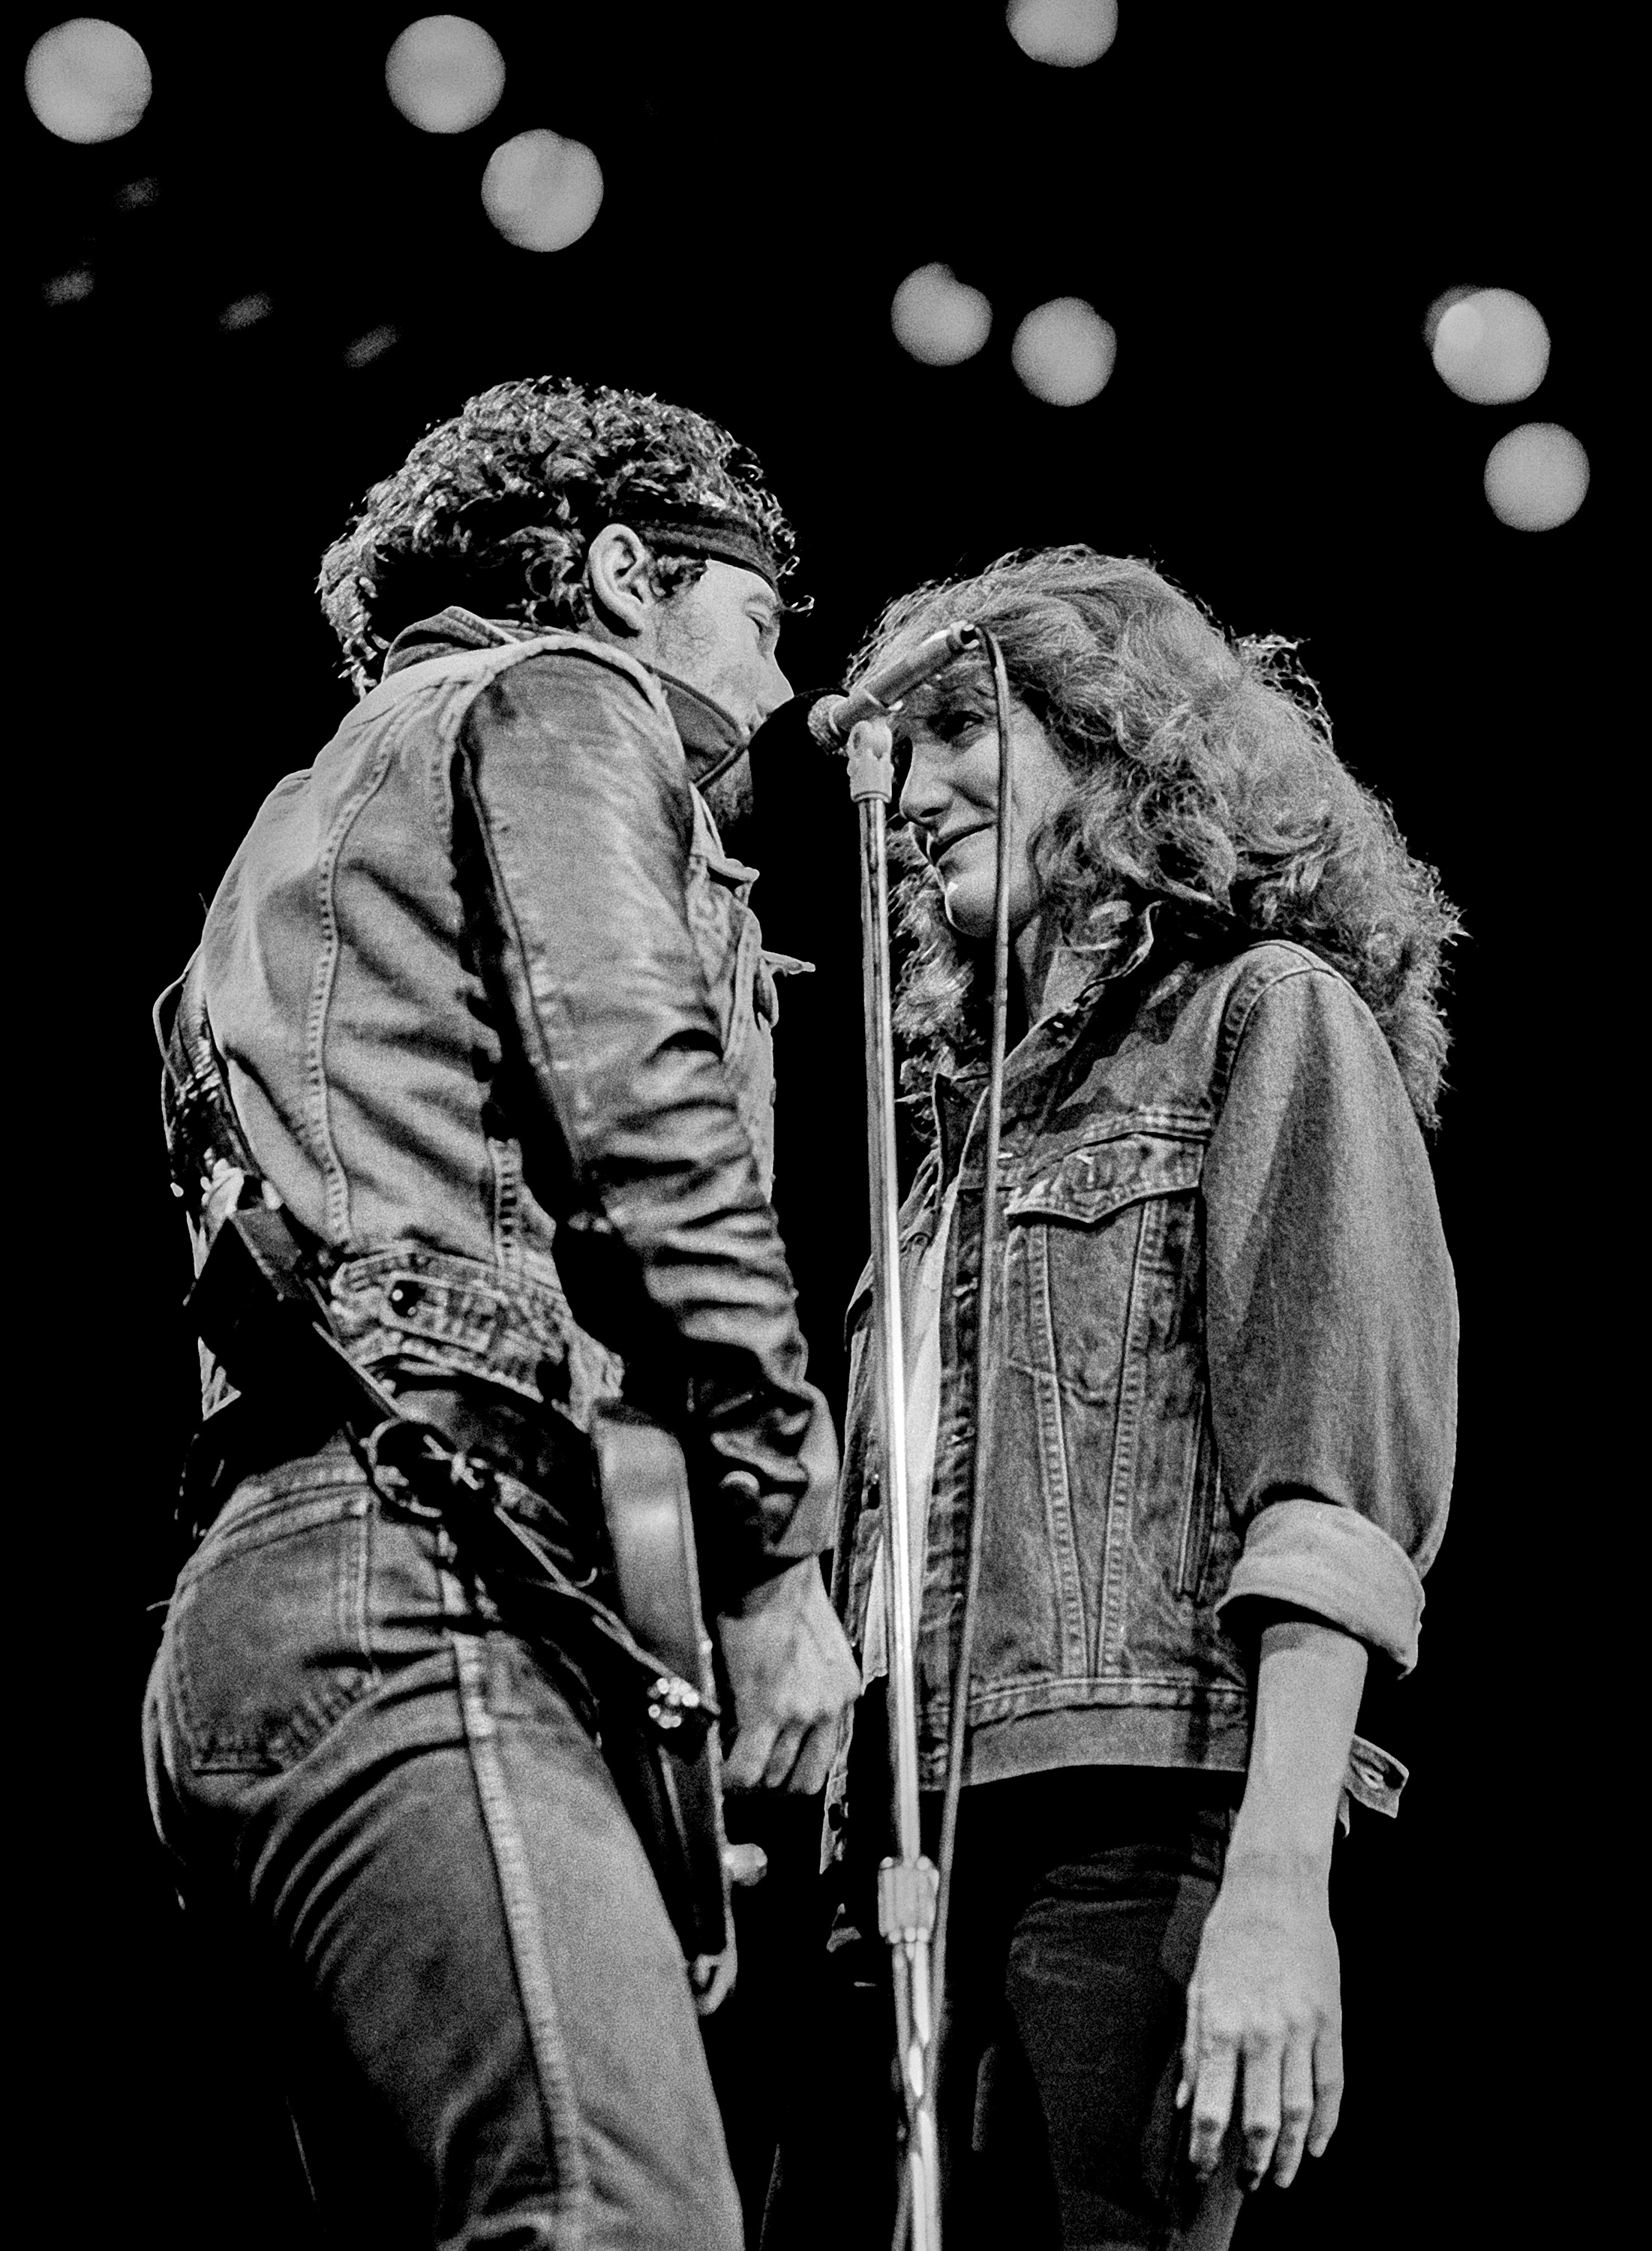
(1236, 1023)
(529, 1954)
(1133, 1385)
(1051, 1430)
(337, 1182)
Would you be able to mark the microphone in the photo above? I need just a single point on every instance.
(832, 716)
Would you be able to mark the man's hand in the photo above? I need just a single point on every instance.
(793, 1679)
(1264, 2020)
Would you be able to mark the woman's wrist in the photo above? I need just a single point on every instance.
(1309, 1679)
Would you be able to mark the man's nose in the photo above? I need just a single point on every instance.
(776, 690)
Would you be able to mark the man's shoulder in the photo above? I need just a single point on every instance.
(457, 645)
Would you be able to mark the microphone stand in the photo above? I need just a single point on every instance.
(907, 1882)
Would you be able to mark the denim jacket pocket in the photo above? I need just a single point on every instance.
(267, 1640)
(1086, 1229)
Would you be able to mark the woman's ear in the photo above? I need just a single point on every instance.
(617, 564)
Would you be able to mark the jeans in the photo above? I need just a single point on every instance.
(1078, 1906)
(386, 1808)
(1079, 1897)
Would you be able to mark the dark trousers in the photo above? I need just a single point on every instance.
(1078, 1902)
(1077, 1910)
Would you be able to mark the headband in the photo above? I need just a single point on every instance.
(699, 532)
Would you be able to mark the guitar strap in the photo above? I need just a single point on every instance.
(261, 1307)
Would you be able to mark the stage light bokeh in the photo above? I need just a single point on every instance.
(362, 351)
(70, 288)
(1536, 476)
(445, 75)
(1489, 345)
(939, 319)
(87, 79)
(540, 190)
(245, 312)
(1068, 33)
(1064, 351)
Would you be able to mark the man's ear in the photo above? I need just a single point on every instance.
(617, 564)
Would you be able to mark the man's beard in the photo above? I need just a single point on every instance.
(730, 794)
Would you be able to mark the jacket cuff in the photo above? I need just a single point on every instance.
(1339, 1565)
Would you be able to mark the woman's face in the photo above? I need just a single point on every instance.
(950, 797)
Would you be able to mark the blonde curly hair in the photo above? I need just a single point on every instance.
(1205, 782)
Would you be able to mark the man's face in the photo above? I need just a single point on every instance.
(950, 797)
(720, 634)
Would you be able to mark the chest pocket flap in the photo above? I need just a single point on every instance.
(1089, 1183)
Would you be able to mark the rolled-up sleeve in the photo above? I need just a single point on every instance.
(1331, 1320)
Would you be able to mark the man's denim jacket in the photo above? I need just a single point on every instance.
(483, 976)
(1225, 1368)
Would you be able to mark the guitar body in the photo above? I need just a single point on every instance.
(669, 1777)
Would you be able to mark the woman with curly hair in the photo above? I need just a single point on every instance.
(1219, 1419)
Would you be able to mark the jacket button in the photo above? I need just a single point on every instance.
(402, 1297)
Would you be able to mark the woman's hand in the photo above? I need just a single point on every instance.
(1264, 2008)
(1264, 2019)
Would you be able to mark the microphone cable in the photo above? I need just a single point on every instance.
(957, 1730)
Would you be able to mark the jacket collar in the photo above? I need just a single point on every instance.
(956, 1095)
(711, 736)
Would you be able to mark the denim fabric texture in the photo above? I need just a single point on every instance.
(1225, 1367)
(390, 1807)
(497, 1021)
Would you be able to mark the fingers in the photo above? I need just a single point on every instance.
(1260, 2107)
(814, 1760)
(1296, 2109)
(747, 1759)
(1327, 2089)
(1215, 2076)
(783, 1755)
(1289, 2094)
(791, 1756)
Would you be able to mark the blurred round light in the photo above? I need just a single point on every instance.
(939, 319)
(69, 288)
(363, 350)
(1536, 476)
(87, 80)
(1066, 32)
(541, 192)
(245, 312)
(1489, 345)
(445, 75)
(1064, 351)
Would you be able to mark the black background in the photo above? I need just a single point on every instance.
(1264, 201)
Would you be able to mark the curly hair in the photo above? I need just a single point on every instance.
(494, 508)
(1205, 782)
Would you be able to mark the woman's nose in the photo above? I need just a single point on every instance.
(922, 792)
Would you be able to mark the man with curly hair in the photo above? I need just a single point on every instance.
(1218, 1414)
(491, 1015)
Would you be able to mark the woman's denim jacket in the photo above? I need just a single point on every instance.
(1225, 1368)
(483, 977)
